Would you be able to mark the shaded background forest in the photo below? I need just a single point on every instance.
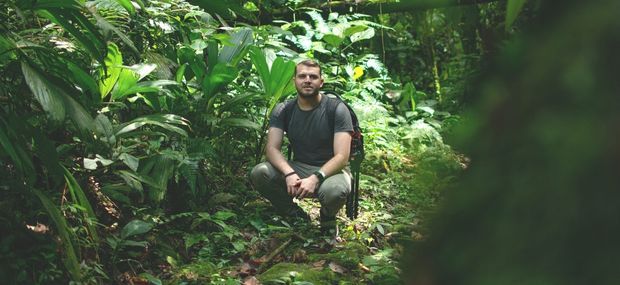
(127, 128)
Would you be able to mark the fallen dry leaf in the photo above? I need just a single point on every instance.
(139, 281)
(417, 236)
(251, 281)
(300, 256)
(39, 228)
(337, 268)
(319, 264)
(363, 267)
(247, 269)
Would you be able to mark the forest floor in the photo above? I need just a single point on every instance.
(245, 242)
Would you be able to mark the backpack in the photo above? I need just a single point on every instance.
(356, 154)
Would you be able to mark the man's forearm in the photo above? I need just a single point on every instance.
(275, 157)
(334, 165)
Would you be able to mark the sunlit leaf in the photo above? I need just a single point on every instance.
(147, 87)
(363, 35)
(354, 29)
(131, 161)
(110, 74)
(127, 5)
(333, 40)
(74, 22)
(223, 215)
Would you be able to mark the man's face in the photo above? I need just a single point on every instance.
(308, 80)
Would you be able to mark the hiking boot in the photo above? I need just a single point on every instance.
(328, 225)
(297, 213)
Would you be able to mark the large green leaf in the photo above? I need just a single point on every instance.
(187, 55)
(49, 96)
(333, 39)
(127, 82)
(47, 154)
(62, 228)
(220, 76)
(407, 101)
(260, 63)
(47, 4)
(277, 80)
(112, 70)
(6, 47)
(83, 79)
(13, 145)
(240, 122)
(104, 129)
(78, 114)
(161, 169)
(148, 87)
(74, 22)
(224, 8)
(131, 161)
(365, 34)
(166, 121)
(238, 100)
(134, 180)
(128, 6)
(54, 100)
(107, 27)
(240, 41)
(281, 77)
(512, 11)
(79, 197)
(135, 227)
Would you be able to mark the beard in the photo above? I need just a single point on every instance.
(307, 93)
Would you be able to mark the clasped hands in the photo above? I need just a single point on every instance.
(301, 188)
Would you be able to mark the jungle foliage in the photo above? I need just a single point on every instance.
(127, 129)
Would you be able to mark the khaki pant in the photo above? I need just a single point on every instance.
(270, 183)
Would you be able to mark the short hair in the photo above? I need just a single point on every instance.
(309, 63)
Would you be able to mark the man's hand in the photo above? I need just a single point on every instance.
(292, 184)
(307, 186)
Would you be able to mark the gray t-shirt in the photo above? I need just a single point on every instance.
(308, 131)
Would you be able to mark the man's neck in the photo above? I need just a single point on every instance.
(309, 103)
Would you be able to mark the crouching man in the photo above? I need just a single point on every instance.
(320, 149)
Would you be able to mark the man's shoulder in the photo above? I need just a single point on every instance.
(333, 100)
(280, 107)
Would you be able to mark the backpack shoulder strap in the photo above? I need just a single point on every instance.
(332, 104)
(288, 111)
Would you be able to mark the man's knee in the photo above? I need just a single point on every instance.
(263, 177)
(261, 172)
(335, 194)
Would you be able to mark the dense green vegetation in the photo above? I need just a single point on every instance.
(127, 129)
